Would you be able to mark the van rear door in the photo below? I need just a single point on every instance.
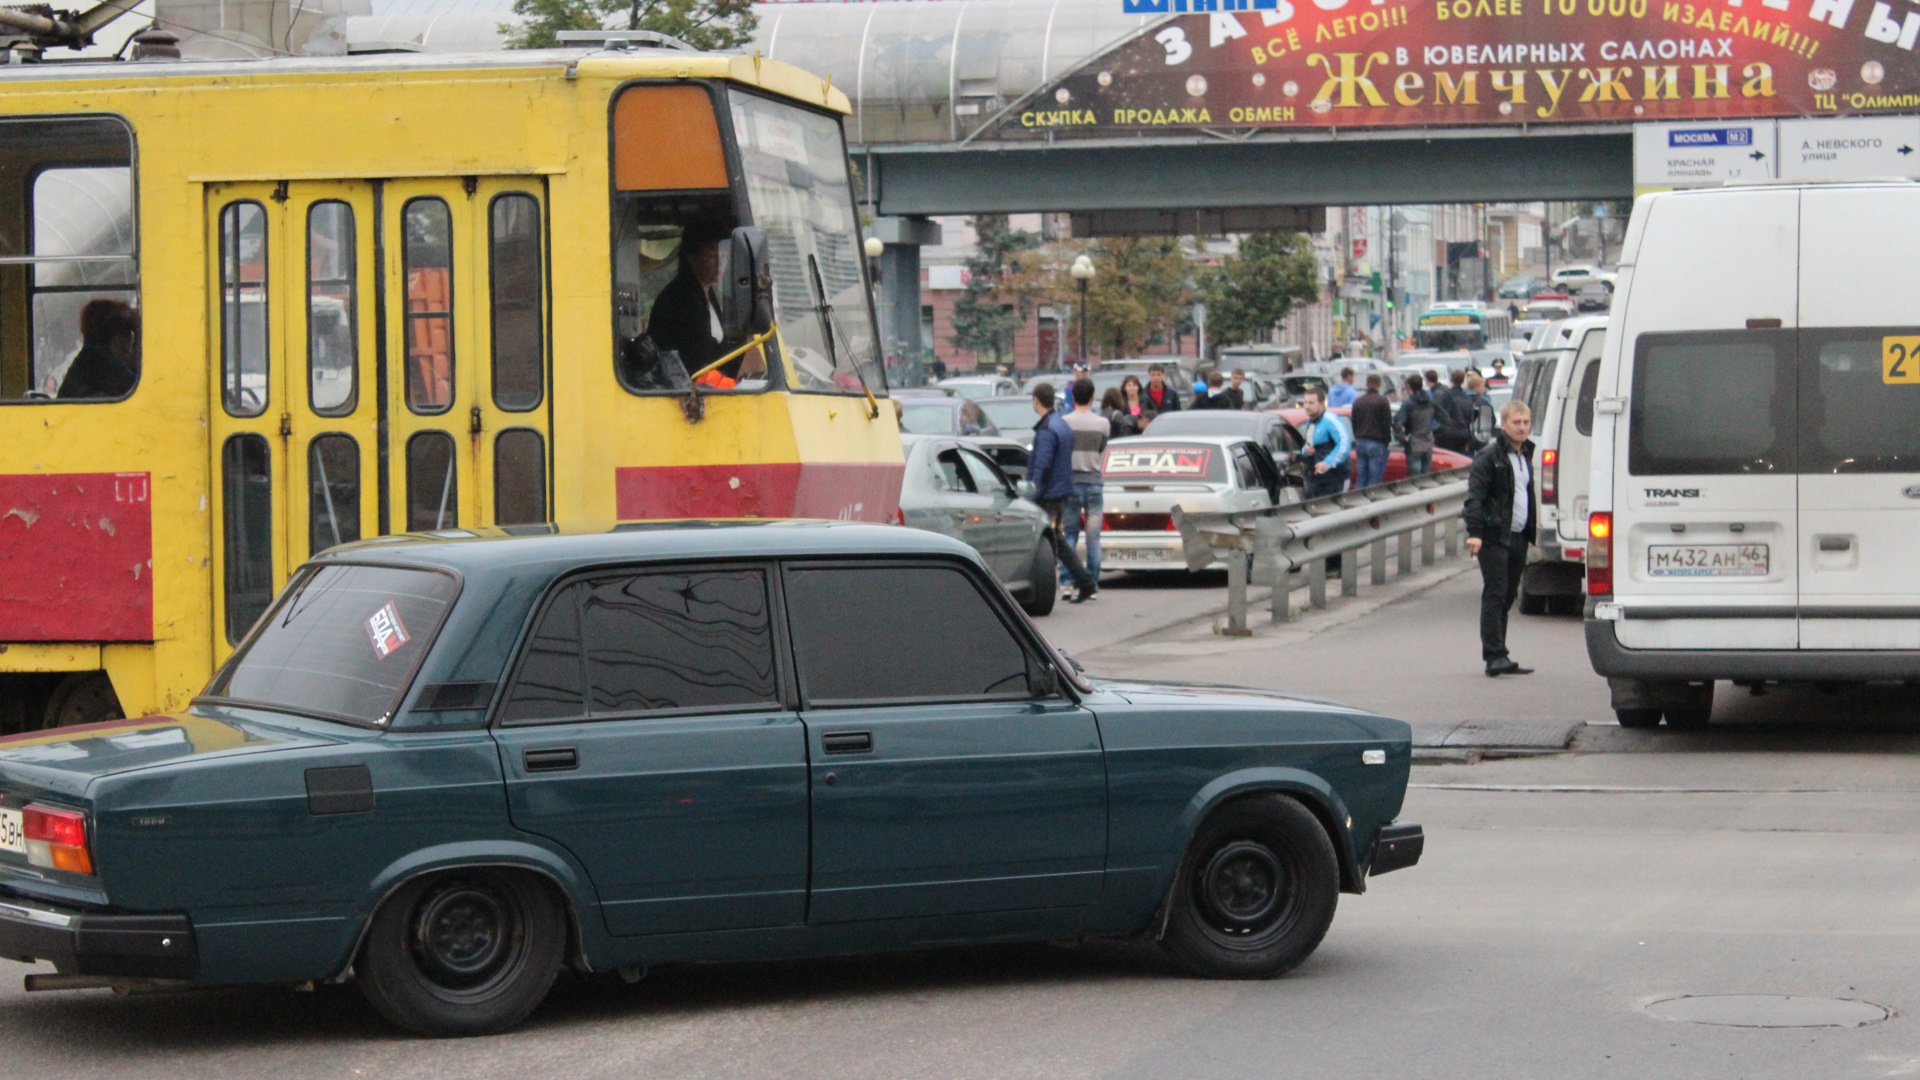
(1859, 389)
(1705, 523)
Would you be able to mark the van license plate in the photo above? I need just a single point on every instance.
(1707, 560)
(13, 832)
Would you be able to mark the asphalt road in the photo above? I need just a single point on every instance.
(1560, 896)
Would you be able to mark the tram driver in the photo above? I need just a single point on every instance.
(108, 363)
(686, 315)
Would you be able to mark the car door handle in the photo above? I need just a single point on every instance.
(847, 742)
(1835, 543)
(558, 759)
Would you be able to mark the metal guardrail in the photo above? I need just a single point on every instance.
(1267, 546)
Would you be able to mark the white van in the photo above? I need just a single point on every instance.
(1558, 381)
(1756, 477)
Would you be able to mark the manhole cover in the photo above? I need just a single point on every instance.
(1770, 1011)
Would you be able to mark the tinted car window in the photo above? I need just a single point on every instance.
(1243, 469)
(849, 625)
(1589, 387)
(1858, 415)
(342, 641)
(677, 640)
(551, 684)
(1712, 403)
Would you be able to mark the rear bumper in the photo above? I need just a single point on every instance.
(1397, 847)
(92, 943)
(1614, 660)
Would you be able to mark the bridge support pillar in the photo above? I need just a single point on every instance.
(900, 289)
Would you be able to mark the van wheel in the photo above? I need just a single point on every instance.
(1041, 595)
(84, 697)
(1637, 718)
(1256, 893)
(1531, 603)
(464, 953)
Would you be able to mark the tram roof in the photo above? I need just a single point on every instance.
(595, 63)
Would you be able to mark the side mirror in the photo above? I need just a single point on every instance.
(749, 299)
(1042, 681)
(1025, 489)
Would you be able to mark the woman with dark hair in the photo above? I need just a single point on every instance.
(106, 365)
(1114, 408)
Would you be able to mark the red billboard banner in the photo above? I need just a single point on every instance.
(1398, 63)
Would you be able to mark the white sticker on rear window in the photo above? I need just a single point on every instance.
(387, 631)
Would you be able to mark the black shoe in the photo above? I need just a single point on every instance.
(1506, 666)
(1086, 593)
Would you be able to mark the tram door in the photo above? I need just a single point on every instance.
(335, 302)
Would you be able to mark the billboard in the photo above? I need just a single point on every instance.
(1402, 63)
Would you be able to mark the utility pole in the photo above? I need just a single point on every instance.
(1393, 286)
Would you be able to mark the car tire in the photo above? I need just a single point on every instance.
(84, 697)
(463, 953)
(1256, 892)
(1637, 718)
(1691, 719)
(1041, 594)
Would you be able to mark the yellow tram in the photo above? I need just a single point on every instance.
(250, 310)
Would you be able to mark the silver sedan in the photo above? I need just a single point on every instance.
(952, 488)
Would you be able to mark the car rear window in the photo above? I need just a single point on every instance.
(342, 642)
(1165, 461)
(1714, 402)
(927, 419)
(1859, 401)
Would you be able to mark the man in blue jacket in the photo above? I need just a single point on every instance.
(1050, 467)
(1328, 453)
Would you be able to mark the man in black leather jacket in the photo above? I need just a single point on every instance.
(1500, 518)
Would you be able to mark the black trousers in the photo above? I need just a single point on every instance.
(1056, 510)
(1500, 568)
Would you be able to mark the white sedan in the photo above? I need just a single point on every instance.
(1146, 477)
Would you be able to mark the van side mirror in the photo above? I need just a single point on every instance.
(749, 299)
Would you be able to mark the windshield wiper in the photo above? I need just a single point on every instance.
(831, 324)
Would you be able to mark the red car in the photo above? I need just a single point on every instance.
(1396, 457)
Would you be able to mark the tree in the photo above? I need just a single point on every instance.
(997, 299)
(1250, 293)
(705, 24)
(1140, 285)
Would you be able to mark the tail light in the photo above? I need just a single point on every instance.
(1600, 554)
(1549, 477)
(56, 838)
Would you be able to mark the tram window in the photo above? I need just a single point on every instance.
(333, 492)
(433, 489)
(246, 479)
(332, 345)
(666, 252)
(67, 247)
(243, 308)
(519, 340)
(800, 192)
(519, 477)
(427, 258)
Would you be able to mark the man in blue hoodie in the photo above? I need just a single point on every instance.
(1050, 468)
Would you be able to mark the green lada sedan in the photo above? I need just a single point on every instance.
(446, 766)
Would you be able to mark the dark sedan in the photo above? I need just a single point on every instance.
(446, 767)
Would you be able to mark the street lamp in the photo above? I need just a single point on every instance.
(1082, 271)
(873, 247)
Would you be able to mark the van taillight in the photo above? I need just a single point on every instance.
(1600, 554)
(1549, 477)
(56, 838)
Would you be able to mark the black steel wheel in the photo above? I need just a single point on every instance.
(1256, 892)
(84, 697)
(464, 953)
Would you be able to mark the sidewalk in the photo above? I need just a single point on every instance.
(1409, 649)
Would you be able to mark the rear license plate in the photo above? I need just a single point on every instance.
(1113, 554)
(13, 834)
(1707, 560)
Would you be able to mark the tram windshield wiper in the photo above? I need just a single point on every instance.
(831, 324)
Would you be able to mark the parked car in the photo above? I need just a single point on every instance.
(1568, 278)
(446, 767)
(1013, 416)
(980, 386)
(1519, 287)
(1558, 382)
(953, 488)
(1594, 297)
(931, 415)
(1147, 476)
(1269, 429)
(1396, 454)
(923, 391)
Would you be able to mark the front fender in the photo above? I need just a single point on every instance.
(557, 866)
(1312, 791)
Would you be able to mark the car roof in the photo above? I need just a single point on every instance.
(494, 548)
(1238, 422)
(1203, 440)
